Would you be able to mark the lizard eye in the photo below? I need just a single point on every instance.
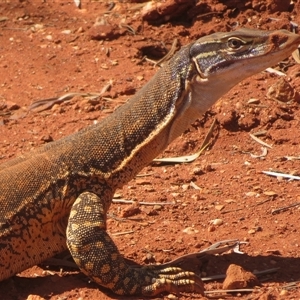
(234, 43)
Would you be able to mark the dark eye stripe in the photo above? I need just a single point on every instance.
(212, 55)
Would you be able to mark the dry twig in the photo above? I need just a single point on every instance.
(259, 141)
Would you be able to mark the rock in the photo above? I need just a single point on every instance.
(197, 171)
(34, 297)
(248, 122)
(149, 211)
(164, 11)
(282, 91)
(142, 181)
(11, 105)
(172, 297)
(271, 6)
(228, 119)
(105, 32)
(211, 228)
(238, 278)
(216, 222)
(148, 258)
(219, 207)
(46, 138)
(131, 210)
(190, 230)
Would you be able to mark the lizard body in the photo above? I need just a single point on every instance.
(57, 196)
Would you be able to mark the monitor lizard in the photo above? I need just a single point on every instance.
(57, 196)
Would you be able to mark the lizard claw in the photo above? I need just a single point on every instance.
(173, 280)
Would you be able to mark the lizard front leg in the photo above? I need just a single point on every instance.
(98, 257)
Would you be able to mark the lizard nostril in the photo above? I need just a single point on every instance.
(278, 40)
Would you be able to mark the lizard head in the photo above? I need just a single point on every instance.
(222, 60)
(236, 55)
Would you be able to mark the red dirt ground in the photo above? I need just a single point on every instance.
(48, 49)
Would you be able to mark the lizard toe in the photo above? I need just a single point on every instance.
(172, 280)
(161, 285)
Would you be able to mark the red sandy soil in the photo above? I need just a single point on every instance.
(48, 49)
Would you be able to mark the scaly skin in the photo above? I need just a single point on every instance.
(57, 197)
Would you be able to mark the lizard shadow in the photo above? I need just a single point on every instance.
(55, 284)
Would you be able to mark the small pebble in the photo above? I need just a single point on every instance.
(172, 297)
(157, 207)
(283, 293)
(197, 171)
(211, 228)
(251, 194)
(217, 222)
(67, 31)
(185, 186)
(190, 230)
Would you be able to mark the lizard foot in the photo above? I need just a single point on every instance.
(172, 280)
